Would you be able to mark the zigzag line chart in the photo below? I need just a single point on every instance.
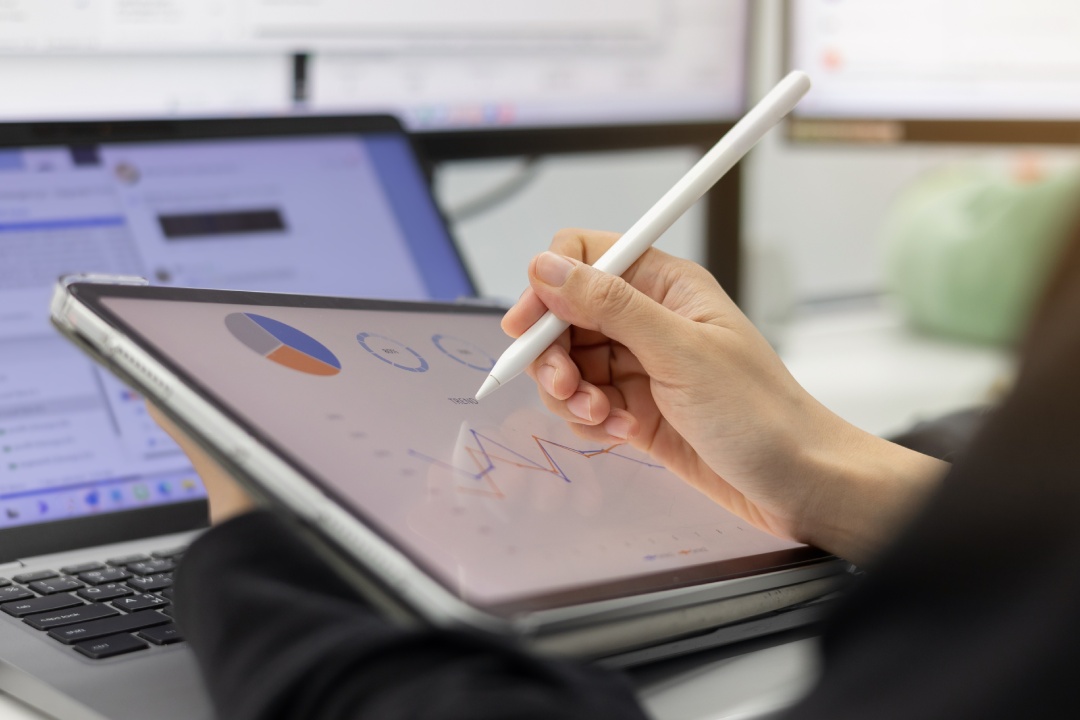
(488, 454)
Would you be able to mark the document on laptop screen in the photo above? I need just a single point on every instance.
(335, 215)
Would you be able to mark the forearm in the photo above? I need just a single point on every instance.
(866, 489)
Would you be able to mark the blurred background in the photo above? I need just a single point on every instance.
(888, 240)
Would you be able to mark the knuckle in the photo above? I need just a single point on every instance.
(569, 242)
(607, 292)
(677, 267)
(582, 244)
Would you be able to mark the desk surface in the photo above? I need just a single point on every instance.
(865, 366)
(11, 709)
(751, 684)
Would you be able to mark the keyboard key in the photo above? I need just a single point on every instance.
(173, 554)
(81, 568)
(127, 559)
(151, 567)
(14, 592)
(162, 634)
(22, 608)
(150, 583)
(4, 582)
(108, 647)
(108, 591)
(169, 610)
(97, 577)
(167, 593)
(32, 576)
(139, 602)
(107, 626)
(56, 585)
(47, 621)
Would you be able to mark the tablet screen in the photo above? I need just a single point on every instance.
(500, 501)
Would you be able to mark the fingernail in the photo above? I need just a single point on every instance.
(581, 405)
(553, 269)
(617, 426)
(546, 375)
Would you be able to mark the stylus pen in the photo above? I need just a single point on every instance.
(706, 172)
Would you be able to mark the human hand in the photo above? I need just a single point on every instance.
(663, 359)
(227, 498)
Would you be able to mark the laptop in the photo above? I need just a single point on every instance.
(96, 503)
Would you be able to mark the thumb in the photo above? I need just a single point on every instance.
(595, 300)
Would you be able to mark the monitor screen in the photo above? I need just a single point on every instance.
(923, 64)
(329, 214)
(553, 64)
(46, 86)
(466, 65)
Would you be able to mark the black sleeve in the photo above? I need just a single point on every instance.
(279, 635)
(975, 610)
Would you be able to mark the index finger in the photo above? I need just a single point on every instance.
(652, 274)
(584, 245)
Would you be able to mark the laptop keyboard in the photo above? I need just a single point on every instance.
(100, 609)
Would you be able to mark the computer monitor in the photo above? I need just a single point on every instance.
(563, 63)
(937, 70)
(475, 79)
(619, 76)
(468, 64)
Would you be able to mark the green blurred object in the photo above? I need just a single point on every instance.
(969, 247)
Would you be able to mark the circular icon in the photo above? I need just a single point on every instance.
(464, 352)
(283, 344)
(392, 352)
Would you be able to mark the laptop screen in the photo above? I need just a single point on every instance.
(340, 214)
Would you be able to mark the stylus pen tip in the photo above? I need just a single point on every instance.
(489, 385)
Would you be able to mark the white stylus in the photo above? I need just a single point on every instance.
(706, 172)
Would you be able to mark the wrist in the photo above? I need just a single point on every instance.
(861, 489)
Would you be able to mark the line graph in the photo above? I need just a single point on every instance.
(487, 454)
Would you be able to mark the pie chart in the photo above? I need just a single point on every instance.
(283, 344)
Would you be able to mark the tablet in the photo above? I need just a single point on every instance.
(356, 419)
